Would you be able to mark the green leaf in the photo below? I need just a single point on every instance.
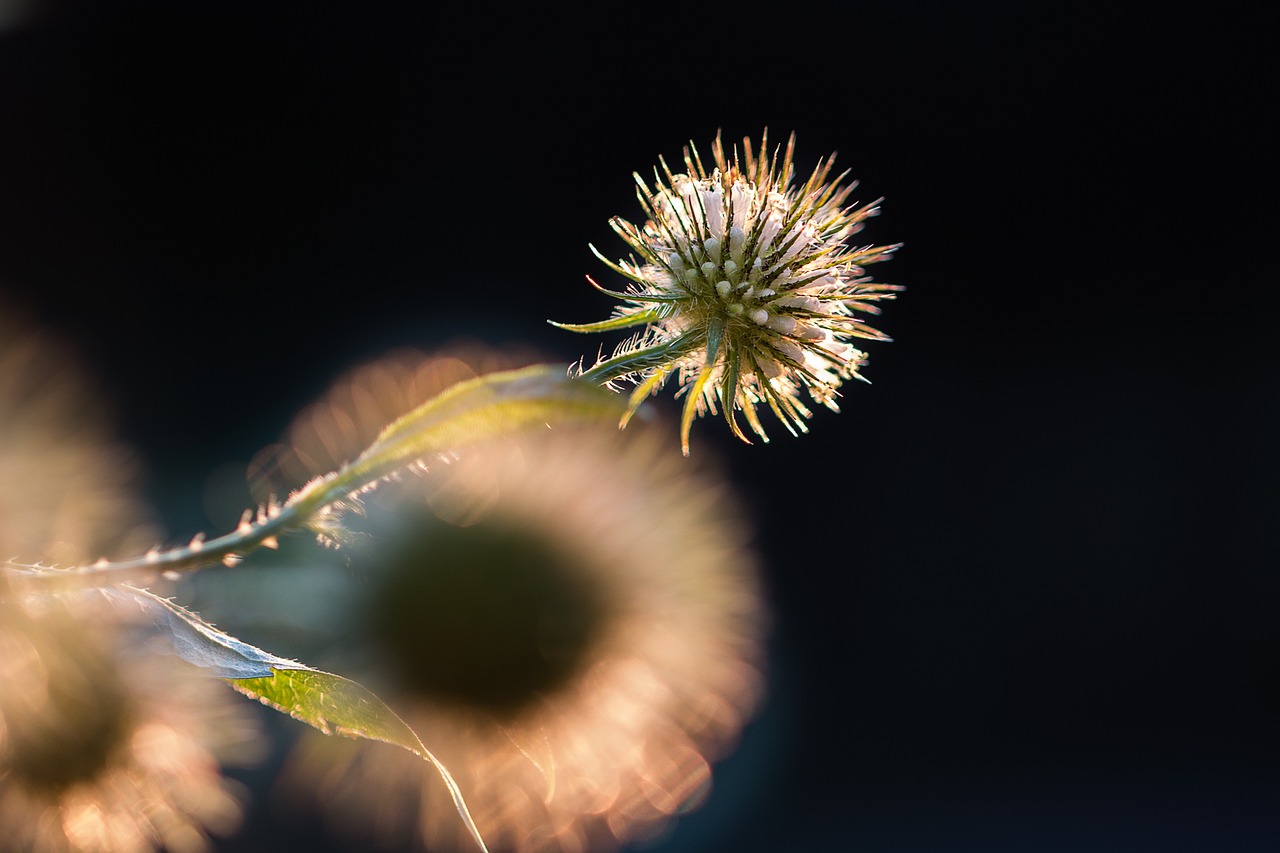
(330, 703)
(338, 706)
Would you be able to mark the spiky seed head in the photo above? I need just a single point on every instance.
(746, 287)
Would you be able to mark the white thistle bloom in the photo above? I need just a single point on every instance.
(746, 288)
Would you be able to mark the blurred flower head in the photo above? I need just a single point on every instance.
(105, 747)
(66, 487)
(746, 287)
(570, 620)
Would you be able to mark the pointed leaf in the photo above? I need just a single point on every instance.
(330, 703)
(338, 706)
(691, 407)
(626, 321)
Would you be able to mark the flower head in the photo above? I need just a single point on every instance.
(746, 288)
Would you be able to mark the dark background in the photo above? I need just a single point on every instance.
(1024, 584)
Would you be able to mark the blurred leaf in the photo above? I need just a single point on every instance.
(483, 408)
(196, 641)
(338, 706)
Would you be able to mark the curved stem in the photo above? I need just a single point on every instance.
(271, 522)
(484, 407)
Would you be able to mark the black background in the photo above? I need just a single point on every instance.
(1024, 583)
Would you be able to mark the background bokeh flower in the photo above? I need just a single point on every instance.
(67, 486)
(107, 745)
(572, 622)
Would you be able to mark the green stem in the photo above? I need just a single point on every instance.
(469, 411)
(272, 522)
